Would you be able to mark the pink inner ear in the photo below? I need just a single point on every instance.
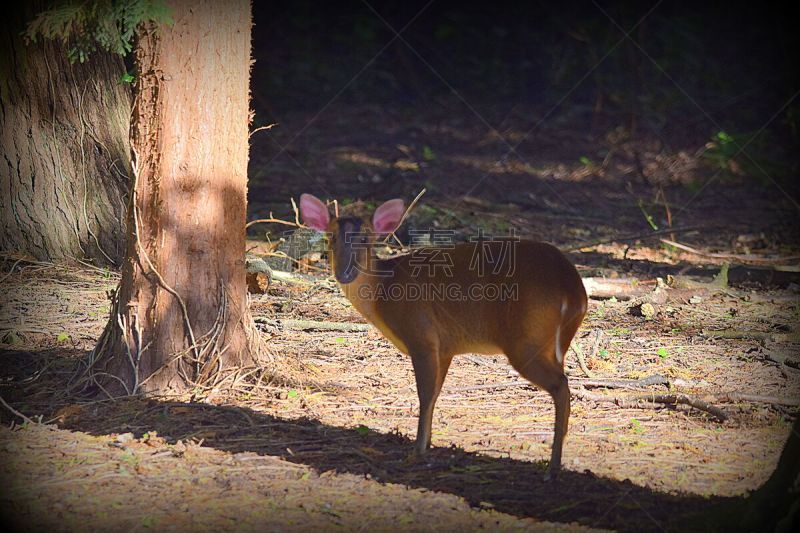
(315, 213)
(387, 216)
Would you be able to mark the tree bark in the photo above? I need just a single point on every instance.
(776, 505)
(180, 316)
(66, 155)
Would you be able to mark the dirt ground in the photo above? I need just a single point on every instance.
(320, 436)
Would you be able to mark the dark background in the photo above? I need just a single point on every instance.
(733, 61)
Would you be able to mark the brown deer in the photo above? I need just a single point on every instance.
(517, 297)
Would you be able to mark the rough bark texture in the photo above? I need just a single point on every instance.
(65, 167)
(181, 312)
(776, 505)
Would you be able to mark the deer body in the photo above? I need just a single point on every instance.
(526, 302)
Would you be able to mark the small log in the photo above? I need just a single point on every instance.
(621, 289)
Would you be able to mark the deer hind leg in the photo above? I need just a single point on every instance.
(540, 366)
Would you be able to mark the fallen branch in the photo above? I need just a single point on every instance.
(759, 398)
(792, 361)
(579, 353)
(506, 385)
(742, 258)
(610, 383)
(625, 383)
(642, 400)
(23, 417)
(305, 325)
(754, 335)
(634, 237)
(620, 288)
(651, 400)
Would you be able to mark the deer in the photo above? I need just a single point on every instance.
(512, 296)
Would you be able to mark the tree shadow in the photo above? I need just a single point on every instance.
(507, 485)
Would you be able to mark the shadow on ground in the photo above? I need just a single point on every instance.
(507, 485)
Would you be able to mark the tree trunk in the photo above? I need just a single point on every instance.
(66, 153)
(180, 316)
(776, 505)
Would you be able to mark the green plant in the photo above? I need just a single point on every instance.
(647, 216)
(721, 151)
(96, 24)
(753, 155)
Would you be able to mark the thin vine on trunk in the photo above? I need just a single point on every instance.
(179, 318)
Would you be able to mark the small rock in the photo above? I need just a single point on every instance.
(124, 438)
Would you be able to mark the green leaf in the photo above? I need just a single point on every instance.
(662, 353)
(603, 354)
(291, 394)
(127, 78)
(340, 340)
(724, 138)
(10, 337)
(362, 430)
(585, 160)
(427, 153)
(62, 337)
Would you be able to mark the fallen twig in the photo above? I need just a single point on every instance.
(633, 237)
(625, 383)
(305, 325)
(755, 335)
(23, 417)
(581, 359)
(652, 399)
(759, 398)
(743, 258)
(506, 385)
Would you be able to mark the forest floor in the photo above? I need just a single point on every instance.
(322, 438)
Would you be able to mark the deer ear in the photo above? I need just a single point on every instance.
(315, 213)
(388, 215)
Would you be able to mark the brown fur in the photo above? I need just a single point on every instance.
(550, 306)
